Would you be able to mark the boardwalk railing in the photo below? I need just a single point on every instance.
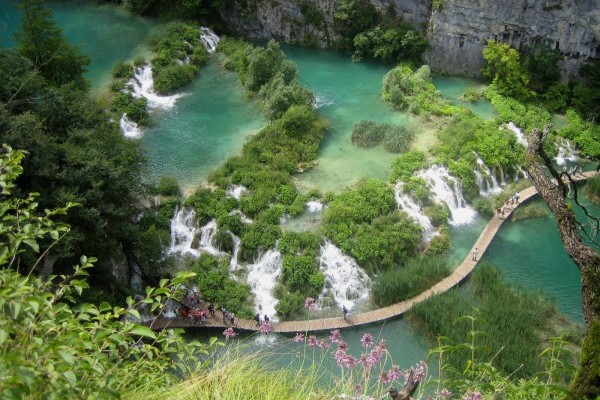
(381, 314)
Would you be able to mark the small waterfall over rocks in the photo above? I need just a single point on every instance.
(518, 133)
(440, 182)
(135, 279)
(314, 206)
(142, 85)
(237, 244)
(242, 216)
(129, 128)
(566, 153)
(209, 39)
(185, 231)
(409, 206)
(346, 280)
(262, 278)
(236, 191)
(486, 179)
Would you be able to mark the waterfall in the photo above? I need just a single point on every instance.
(502, 180)
(490, 180)
(184, 229)
(236, 191)
(237, 244)
(348, 282)
(135, 280)
(314, 206)
(209, 39)
(321, 101)
(566, 152)
(207, 239)
(518, 133)
(521, 171)
(142, 85)
(242, 216)
(262, 278)
(439, 181)
(409, 206)
(129, 128)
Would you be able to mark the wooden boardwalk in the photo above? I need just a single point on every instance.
(381, 314)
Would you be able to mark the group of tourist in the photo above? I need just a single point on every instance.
(194, 310)
(508, 204)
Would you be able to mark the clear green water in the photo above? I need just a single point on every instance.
(206, 126)
(105, 33)
(453, 88)
(210, 123)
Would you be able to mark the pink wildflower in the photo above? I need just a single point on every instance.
(312, 341)
(350, 362)
(383, 377)
(309, 303)
(342, 345)
(299, 338)
(367, 340)
(419, 371)
(323, 344)
(229, 333)
(472, 396)
(358, 389)
(265, 328)
(340, 357)
(395, 373)
(445, 394)
(382, 345)
(335, 336)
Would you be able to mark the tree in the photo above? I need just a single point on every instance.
(502, 66)
(587, 259)
(41, 40)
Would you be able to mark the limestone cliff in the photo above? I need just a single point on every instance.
(457, 31)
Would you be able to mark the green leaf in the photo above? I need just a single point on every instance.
(68, 357)
(70, 377)
(3, 336)
(135, 313)
(143, 331)
(35, 306)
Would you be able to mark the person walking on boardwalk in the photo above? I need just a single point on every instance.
(232, 318)
(266, 319)
(344, 311)
(257, 319)
(475, 253)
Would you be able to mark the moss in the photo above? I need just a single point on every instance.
(587, 379)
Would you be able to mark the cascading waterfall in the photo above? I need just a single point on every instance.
(518, 133)
(439, 182)
(129, 128)
(262, 278)
(242, 216)
(409, 206)
(489, 179)
(142, 85)
(566, 153)
(314, 206)
(237, 244)
(236, 191)
(184, 229)
(346, 280)
(209, 39)
(135, 280)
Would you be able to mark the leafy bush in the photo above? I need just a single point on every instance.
(172, 77)
(405, 165)
(168, 186)
(312, 14)
(397, 139)
(367, 133)
(592, 189)
(122, 70)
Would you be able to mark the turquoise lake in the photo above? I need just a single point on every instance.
(213, 119)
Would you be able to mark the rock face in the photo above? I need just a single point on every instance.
(457, 31)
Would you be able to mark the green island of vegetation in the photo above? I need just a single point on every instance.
(61, 337)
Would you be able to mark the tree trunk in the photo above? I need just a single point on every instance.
(587, 259)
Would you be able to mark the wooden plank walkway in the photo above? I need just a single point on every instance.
(381, 314)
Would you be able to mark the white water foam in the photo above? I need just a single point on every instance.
(321, 101)
(486, 179)
(314, 206)
(129, 128)
(185, 229)
(439, 181)
(142, 85)
(409, 206)
(518, 133)
(566, 152)
(262, 278)
(348, 282)
(242, 216)
(237, 244)
(236, 191)
(209, 39)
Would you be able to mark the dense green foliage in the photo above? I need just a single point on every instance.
(365, 223)
(503, 68)
(523, 317)
(40, 40)
(168, 186)
(52, 348)
(405, 165)
(584, 133)
(414, 91)
(368, 34)
(592, 189)
(409, 280)
(178, 55)
(395, 138)
(216, 286)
